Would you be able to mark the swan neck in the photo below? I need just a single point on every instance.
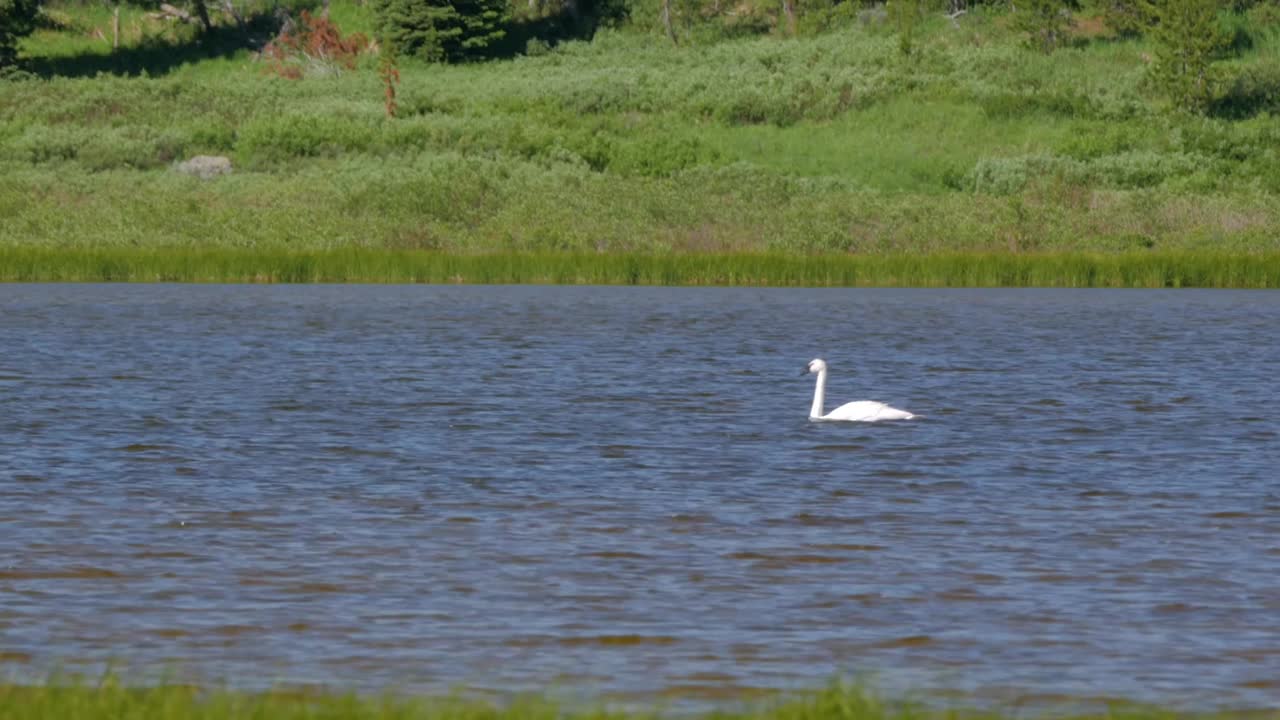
(819, 394)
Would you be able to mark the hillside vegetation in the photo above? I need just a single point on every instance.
(852, 135)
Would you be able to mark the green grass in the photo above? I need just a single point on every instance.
(1131, 270)
(827, 145)
(109, 700)
(467, 203)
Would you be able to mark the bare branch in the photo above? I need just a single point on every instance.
(169, 12)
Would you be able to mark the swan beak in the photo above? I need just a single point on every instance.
(804, 371)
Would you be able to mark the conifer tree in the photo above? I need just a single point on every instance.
(1187, 41)
(17, 18)
(440, 30)
(1045, 21)
(1129, 18)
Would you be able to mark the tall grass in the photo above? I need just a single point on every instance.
(473, 203)
(110, 699)
(1131, 270)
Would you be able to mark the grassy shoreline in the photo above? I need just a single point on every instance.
(370, 265)
(827, 159)
(112, 699)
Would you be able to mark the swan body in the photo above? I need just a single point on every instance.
(856, 411)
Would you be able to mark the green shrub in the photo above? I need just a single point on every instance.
(15, 74)
(1252, 90)
(1134, 170)
(96, 149)
(113, 150)
(1233, 143)
(660, 155)
(212, 135)
(906, 17)
(1002, 176)
(49, 143)
(823, 19)
(1127, 171)
(1088, 142)
(1064, 103)
(536, 47)
(264, 141)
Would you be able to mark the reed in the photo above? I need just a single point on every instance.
(368, 265)
(110, 699)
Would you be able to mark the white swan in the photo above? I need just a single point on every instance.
(856, 411)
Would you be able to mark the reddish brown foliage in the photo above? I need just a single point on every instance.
(390, 75)
(313, 40)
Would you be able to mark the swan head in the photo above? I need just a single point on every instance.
(816, 365)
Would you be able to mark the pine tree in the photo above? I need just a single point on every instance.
(441, 30)
(1187, 41)
(17, 18)
(1045, 21)
(1129, 18)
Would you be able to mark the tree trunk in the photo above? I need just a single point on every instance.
(115, 28)
(202, 13)
(789, 8)
(284, 21)
(666, 21)
(229, 7)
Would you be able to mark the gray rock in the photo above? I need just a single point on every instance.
(206, 166)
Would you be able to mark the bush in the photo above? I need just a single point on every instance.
(660, 156)
(1252, 91)
(1006, 105)
(95, 149)
(315, 46)
(48, 143)
(907, 16)
(270, 140)
(1244, 143)
(1127, 171)
(12, 73)
(1092, 142)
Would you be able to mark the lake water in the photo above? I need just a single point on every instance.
(616, 491)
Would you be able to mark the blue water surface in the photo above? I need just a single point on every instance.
(616, 491)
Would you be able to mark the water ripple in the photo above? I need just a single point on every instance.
(509, 488)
